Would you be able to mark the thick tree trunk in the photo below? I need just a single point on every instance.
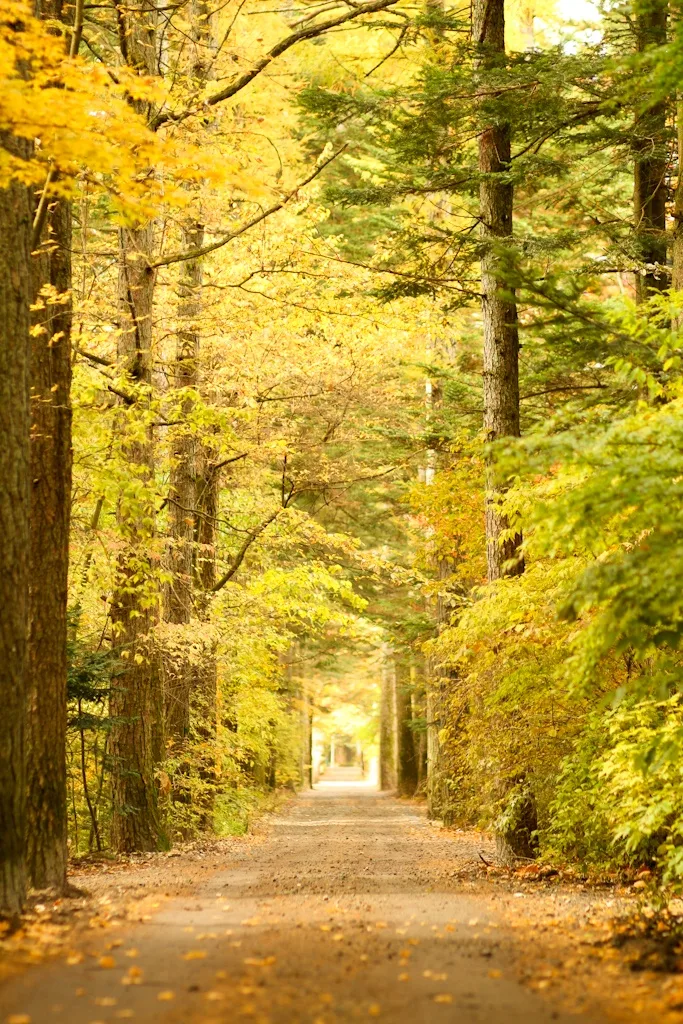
(650, 168)
(15, 296)
(51, 459)
(499, 309)
(406, 761)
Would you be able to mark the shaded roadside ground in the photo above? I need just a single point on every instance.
(346, 906)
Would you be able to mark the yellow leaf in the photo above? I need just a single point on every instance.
(19, 1018)
(374, 1010)
(107, 961)
(166, 996)
(194, 954)
(443, 997)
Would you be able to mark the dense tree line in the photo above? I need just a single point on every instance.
(340, 331)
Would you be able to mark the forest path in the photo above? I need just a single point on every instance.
(346, 910)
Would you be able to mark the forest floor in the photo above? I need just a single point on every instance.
(346, 905)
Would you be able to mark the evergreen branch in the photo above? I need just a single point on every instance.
(204, 250)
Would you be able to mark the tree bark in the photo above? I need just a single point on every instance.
(136, 704)
(387, 723)
(499, 309)
(51, 458)
(419, 711)
(406, 762)
(650, 167)
(15, 295)
(677, 244)
(183, 489)
(205, 693)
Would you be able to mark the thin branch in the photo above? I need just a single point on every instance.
(239, 557)
(193, 254)
(99, 360)
(41, 211)
(569, 387)
(401, 36)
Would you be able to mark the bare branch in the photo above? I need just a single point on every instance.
(309, 32)
(239, 557)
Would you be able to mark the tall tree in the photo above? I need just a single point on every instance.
(186, 454)
(15, 356)
(499, 308)
(137, 699)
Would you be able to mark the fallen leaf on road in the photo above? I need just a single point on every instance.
(443, 997)
(166, 996)
(194, 954)
(133, 976)
(107, 962)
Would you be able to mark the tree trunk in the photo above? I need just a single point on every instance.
(499, 310)
(406, 762)
(387, 723)
(677, 246)
(182, 491)
(51, 458)
(650, 168)
(137, 704)
(137, 695)
(205, 694)
(15, 349)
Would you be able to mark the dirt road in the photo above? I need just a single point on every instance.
(346, 910)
